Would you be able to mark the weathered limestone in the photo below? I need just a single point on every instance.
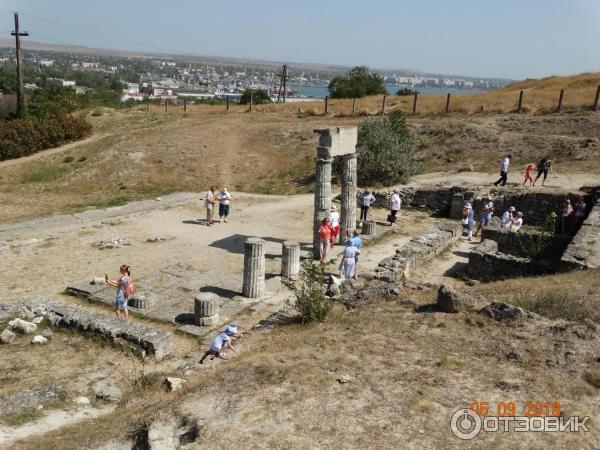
(333, 142)
(452, 302)
(369, 228)
(584, 250)
(418, 250)
(206, 309)
(290, 259)
(348, 196)
(30, 399)
(254, 267)
(157, 343)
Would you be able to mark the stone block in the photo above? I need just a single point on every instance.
(336, 141)
(452, 302)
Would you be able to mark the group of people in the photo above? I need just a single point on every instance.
(511, 219)
(543, 168)
(329, 231)
(214, 198)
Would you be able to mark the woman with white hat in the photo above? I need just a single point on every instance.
(221, 342)
(507, 217)
(468, 220)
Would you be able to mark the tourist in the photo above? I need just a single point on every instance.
(123, 290)
(565, 216)
(221, 342)
(366, 199)
(334, 218)
(468, 220)
(210, 200)
(543, 168)
(579, 214)
(504, 171)
(517, 222)
(485, 214)
(324, 238)
(348, 263)
(507, 217)
(395, 205)
(358, 244)
(529, 174)
(224, 199)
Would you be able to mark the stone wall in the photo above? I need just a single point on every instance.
(584, 250)
(449, 202)
(157, 343)
(518, 243)
(418, 250)
(486, 263)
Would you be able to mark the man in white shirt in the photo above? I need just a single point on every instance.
(395, 205)
(224, 199)
(504, 171)
(366, 199)
(517, 222)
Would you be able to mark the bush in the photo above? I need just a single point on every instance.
(309, 290)
(259, 96)
(358, 83)
(385, 151)
(68, 159)
(23, 137)
(406, 91)
(44, 174)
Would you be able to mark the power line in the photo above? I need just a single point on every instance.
(95, 33)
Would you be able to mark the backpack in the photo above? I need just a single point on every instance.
(129, 290)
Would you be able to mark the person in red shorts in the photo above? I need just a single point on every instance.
(334, 219)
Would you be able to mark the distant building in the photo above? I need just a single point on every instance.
(46, 62)
(61, 82)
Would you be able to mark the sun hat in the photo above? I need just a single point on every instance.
(468, 206)
(512, 209)
(333, 208)
(231, 329)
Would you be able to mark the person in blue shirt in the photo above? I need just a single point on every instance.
(358, 244)
(221, 342)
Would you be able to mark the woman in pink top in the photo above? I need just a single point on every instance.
(325, 232)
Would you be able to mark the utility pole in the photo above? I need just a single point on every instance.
(17, 34)
(282, 83)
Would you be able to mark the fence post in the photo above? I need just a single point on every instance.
(520, 107)
(353, 104)
(250, 100)
(166, 107)
(595, 107)
(147, 104)
(326, 103)
(184, 106)
(227, 102)
(448, 103)
(560, 99)
(383, 104)
(415, 103)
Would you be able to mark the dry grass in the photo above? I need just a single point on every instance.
(407, 376)
(572, 296)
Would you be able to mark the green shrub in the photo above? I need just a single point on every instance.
(385, 151)
(406, 91)
(259, 96)
(311, 301)
(68, 159)
(23, 137)
(97, 113)
(358, 83)
(82, 159)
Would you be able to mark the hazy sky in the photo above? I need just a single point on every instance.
(491, 38)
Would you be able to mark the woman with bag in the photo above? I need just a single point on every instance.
(124, 289)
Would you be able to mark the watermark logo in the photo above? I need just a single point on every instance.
(467, 424)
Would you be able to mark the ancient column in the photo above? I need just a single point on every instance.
(322, 192)
(290, 259)
(369, 228)
(254, 268)
(348, 197)
(206, 309)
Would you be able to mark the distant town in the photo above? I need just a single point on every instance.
(172, 78)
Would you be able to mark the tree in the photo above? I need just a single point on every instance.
(406, 91)
(259, 96)
(358, 83)
(311, 301)
(385, 151)
(52, 101)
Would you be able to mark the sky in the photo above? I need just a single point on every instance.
(513, 39)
